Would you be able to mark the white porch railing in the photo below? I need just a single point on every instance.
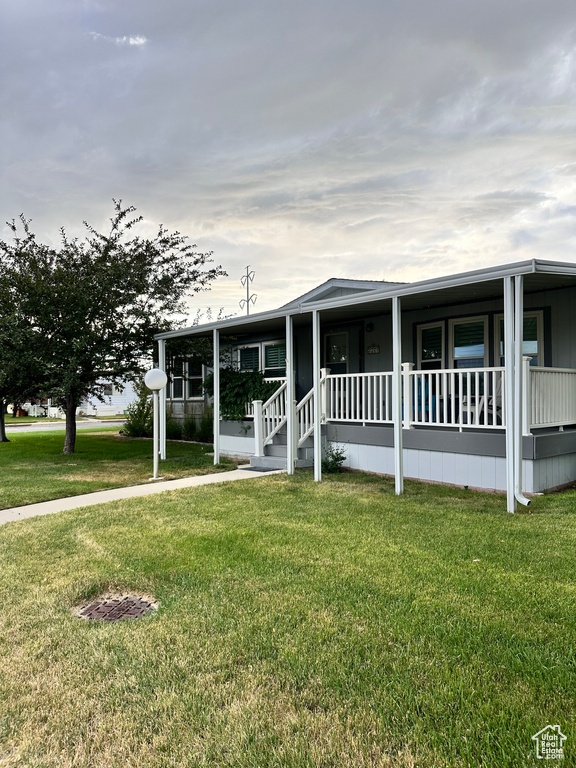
(445, 398)
(553, 396)
(455, 397)
(269, 418)
(305, 410)
(250, 405)
(360, 397)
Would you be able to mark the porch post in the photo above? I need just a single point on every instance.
(162, 366)
(317, 395)
(407, 368)
(518, 388)
(216, 402)
(526, 396)
(397, 394)
(290, 396)
(509, 390)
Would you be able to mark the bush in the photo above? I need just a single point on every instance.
(189, 428)
(140, 414)
(205, 432)
(173, 428)
(333, 460)
(237, 388)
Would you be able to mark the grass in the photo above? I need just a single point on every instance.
(300, 625)
(35, 469)
(27, 419)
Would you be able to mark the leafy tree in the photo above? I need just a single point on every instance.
(97, 302)
(20, 373)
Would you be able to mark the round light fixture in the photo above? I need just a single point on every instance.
(155, 379)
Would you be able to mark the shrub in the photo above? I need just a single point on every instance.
(237, 388)
(173, 428)
(205, 432)
(189, 428)
(140, 415)
(333, 459)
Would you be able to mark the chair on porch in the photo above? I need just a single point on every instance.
(485, 409)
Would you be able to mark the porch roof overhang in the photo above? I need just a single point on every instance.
(466, 287)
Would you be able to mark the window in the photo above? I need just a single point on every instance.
(337, 352)
(176, 386)
(274, 360)
(250, 358)
(533, 338)
(431, 346)
(194, 371)
(107, 390)
(469, 342)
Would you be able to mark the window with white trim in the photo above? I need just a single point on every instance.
(431, 346)
(249, 358)
(533, 344)
(195, 378)
(274, 359)
(469, 342)
(177, 379)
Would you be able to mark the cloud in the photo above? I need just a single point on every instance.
(124, 40)
(308, 139)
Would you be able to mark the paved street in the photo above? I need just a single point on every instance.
(52, 426)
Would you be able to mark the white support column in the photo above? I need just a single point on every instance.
(317, 396)
(290, 397)
(162, 404)
(509, 390)
(518, 387)
(407, 368)
(216, 403)
(258, 436)
(526, 396)
(397, 394)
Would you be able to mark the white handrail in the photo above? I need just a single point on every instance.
(305, 410)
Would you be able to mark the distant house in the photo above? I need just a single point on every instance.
(468, 379)
(116, 400)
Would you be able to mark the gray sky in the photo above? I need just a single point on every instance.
(371, 139)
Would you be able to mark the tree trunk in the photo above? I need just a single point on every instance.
(3, 438)
(70, 439)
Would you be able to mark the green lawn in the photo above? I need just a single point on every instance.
(300, 625)
(27, 420)
(35, 469)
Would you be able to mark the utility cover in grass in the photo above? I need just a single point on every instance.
(116, 606)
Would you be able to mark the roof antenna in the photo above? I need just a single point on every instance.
(250, 298)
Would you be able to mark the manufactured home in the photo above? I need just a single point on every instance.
(468, 379)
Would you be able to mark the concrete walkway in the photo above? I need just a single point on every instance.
(114, 494)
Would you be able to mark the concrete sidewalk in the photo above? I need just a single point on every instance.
(114, 494)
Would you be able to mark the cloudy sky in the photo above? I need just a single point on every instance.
(378, 139)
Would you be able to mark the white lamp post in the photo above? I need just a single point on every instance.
(155, 379)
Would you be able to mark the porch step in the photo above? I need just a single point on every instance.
(276, 462)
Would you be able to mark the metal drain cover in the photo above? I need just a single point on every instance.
(116, 606)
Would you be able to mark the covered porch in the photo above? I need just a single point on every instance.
(398, 407)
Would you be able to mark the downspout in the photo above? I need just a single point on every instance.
(518, 388)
